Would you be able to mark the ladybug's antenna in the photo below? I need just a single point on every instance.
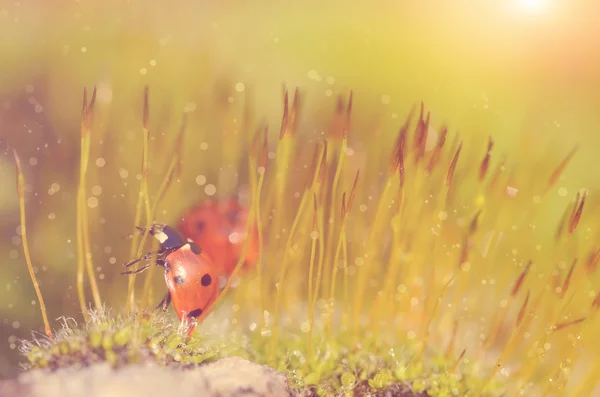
(130, 235)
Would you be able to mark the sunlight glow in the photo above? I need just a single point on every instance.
(532, 6)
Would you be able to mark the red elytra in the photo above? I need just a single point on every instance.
(219, 227)
(190, 275)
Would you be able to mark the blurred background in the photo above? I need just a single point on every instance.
(520, 70)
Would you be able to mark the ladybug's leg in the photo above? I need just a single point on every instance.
(191, 328)
(141, 258)
(159, 255)
(165, 302)
(192, 321)
(136, 271)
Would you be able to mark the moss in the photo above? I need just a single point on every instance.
(121, 340)
(373, 370)
(118, 340)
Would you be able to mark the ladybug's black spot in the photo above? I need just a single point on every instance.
(200, 225)
(179, 279)
(194, 313)
(195, 248)
(206, 280)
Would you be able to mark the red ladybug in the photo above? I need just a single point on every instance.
(192, 281)
(219, 226)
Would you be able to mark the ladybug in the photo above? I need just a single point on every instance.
(190, 275)
(219, 226)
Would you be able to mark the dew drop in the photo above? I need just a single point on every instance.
(305, 327)
(210, 189)
(201, 180)
(189, 107)
(92, 202)
(55, 187)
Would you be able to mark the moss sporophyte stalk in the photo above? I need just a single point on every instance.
(412, 265)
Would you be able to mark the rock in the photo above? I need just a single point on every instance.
(227, 377)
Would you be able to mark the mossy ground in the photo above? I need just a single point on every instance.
(370, 370)
(118, 340)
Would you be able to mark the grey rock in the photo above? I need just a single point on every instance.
(227, 377)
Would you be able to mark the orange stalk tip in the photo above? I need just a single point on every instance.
(93, 100)
(596, 303)
(566, 283)
(593, 260)
(285, 117)
(146, 110)
(522, 311)
(452, 167)
(520, 280)
(353, 190)
(458, 360)
(578, 209)
(323, 166)
(561, 167)
(559, 326)
(347, 120)
(84, 107)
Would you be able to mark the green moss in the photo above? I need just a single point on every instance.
(337, 370)
(373, 370)
(118, 340)
(348, 380)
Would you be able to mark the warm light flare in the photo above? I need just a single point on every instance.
(532, 6)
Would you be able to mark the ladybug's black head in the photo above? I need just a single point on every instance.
(170, 239)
